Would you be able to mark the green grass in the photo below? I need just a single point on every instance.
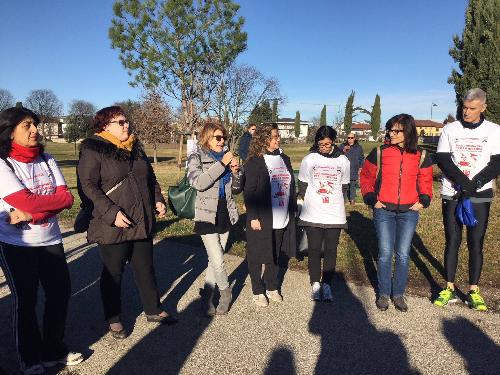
(357, 248)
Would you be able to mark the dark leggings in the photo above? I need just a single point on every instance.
(24, 268)
(475, 240)
(114, 257)
(315, 238)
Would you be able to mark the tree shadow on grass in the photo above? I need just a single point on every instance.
(481, 354)
(350, 344)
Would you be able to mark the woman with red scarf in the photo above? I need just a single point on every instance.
(33, 192)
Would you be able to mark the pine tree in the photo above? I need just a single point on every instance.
(348, 113)
(255, 117)
(375, 117)
(275, 111)
(322, 119)
(477, 54)
(266, 111)
(297, 124)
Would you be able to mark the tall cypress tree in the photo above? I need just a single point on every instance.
(322, 119)
(255, 116)
(266, 111)
(297, 124)
(275, 111)
(348, 113)
(375, 117)
(477, 54)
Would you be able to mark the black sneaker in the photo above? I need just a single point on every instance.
(382, 302)
(400, 303)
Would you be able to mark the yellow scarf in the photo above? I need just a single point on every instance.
(126, 145)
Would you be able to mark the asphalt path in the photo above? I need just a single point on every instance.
(297, 336)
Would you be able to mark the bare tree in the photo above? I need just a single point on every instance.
(79, 120)
(47, 106)
(6, 99)
(241, 88)
(153, 119)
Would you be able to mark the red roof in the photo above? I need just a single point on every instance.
(428, 124)
(360, 126)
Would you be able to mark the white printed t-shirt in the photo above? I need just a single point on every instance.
(37, 178)
(280, 179)
(324, 201)
(471, 150)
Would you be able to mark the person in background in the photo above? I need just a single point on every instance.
(468, 153)
(354, 152)
(397, 190)
(269, 193)
(117, 180)
(33, 192)
(245, 141)
(323, 174)
(214, 173)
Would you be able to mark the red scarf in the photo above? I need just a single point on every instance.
(24, 154)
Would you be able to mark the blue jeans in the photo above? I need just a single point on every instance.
(395, 232)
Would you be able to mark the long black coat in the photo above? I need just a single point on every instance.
(101, 166)
(257, 194)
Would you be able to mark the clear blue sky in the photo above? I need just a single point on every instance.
(318, 50)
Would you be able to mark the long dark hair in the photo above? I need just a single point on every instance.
(322, 133)
(261, 139)
(9, 119)
(409, 130)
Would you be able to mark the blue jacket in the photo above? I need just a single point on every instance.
(356, 158)
(244, 145)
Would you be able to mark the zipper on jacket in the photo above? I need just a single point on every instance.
(399, 180)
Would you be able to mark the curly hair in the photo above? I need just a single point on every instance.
(9, 119)
(105, 115)
(261, 139)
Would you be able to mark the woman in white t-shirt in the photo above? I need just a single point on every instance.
(323, 175)
(32, 193)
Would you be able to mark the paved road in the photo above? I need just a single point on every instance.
(348, 336)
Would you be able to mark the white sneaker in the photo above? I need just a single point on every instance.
(71, 359)
(316, 291)
(34, 370)
(274, 295)
(260, 300)
(327, 293)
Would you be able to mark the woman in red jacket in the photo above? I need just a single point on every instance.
(397, 186)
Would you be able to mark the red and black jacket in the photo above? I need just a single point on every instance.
(401, 181)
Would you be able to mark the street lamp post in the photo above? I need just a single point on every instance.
(433, 105)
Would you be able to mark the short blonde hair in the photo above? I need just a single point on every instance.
(208, 131)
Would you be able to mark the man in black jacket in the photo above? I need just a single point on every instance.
(468, 153)
(245, 141)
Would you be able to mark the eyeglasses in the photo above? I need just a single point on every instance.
(219, 138)
(396, 131)
(350, 137)
(119, 122)
(325, 145)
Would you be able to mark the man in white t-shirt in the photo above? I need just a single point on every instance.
(468, 153)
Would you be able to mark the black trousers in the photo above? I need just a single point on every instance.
(268, 280)
(475, 240)
(24, 268)
(315, 239)
(114, 257)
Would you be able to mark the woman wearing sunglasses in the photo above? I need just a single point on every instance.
(117, 181)
(323, 176)
(397, 186)
(271, 205)
(214, 172)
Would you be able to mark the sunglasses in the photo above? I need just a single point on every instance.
(396, 131)
(119, 122)
(350, 137)
(219, 138)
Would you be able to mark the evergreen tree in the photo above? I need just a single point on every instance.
(348, 113)
(297, 124)
(322, 119)
(375, 117)
(275, 111)
(477, 54)
(266, 111)
(255, 117)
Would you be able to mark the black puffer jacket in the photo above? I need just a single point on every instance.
(101, 166)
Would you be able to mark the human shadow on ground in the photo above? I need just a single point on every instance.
(165, 349)
(362, 233)
(350, 344)
(282, 362)
(480, 353)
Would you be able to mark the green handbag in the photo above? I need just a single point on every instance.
(181, 199)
